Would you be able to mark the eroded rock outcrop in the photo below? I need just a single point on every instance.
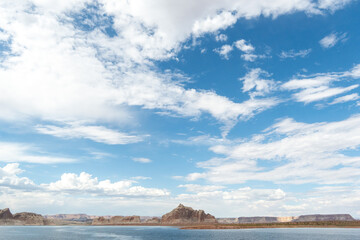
(117, 220)
(257, 219)
(154, 220)
(6, 214)
(187, 215)
(328, 217)
(28, 218)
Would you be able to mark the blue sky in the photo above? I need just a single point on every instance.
(117, 107)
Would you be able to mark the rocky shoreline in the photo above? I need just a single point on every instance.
(182, 216)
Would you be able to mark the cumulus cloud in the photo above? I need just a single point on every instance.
(243, 46)
(96, 133)
(9, 178)
(332, 39)
(303, 153)
(82, 184)
(319, 86)
(224, 51)
(221, 38)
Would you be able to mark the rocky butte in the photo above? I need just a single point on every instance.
(187, 215)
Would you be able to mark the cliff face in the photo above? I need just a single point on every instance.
(187, 215)
(302, 218)
(329, 217)
(117, 220)
(30, 218)
(70, 217)
(257, 219)
(6, 214)
(265, 219)
(227, 220)
(154, 220)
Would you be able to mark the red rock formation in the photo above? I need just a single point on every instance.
(117, 220)
(6, 214)
(187, 215)
(154, 220)
(30, 218)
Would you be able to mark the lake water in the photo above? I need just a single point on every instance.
(169, 233)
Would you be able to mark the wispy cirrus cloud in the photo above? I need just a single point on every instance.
(332, 39)
(293, 53)
(142, 160)
(346, 98)
(24, 152)
(99, 134)
(318, 87)
(303, 153)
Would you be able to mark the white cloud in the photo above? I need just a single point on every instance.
(203, 140)
(296, 152)
(224, 51)
(319, 86)
(251, 57)
(141, 178)
(332, 5)
(248, 51)
(332, 39)
(293, 54)
(255, 194)
(22, 152)
(94, 77)
(212, 24)
(221, 38)
(243, 46)
(142, 160)
(71, 183)
(84, 183)
(200, 188)
(255, 85)
(96, 133)
(320, 93)
(9, 178)
(346, 98)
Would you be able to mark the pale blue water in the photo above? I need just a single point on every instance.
(169, 233)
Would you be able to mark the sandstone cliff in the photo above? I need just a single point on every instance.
(6, 214)
(71, 217)
(328, 217)
(30, 218)
(257, 219)
(154, 220)
(24, 218)
(116, 220)
(187, 215)
(302, 218)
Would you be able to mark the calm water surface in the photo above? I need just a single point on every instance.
(169, 233)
